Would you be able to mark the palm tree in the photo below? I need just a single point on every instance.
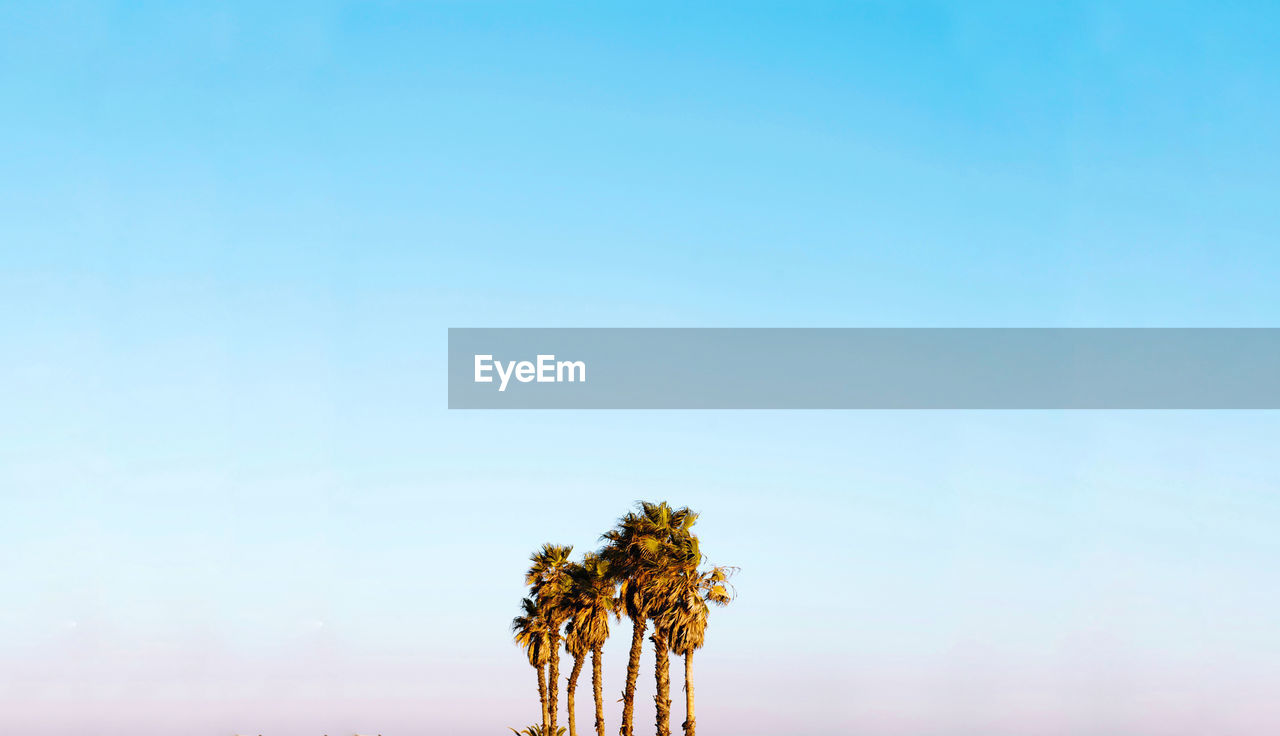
(548, 579)
(672, 529)
(624, 552)
(638, 549)
(531, 632)
(684, 617)
(592, 595)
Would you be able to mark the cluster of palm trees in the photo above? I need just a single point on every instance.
(649, 570)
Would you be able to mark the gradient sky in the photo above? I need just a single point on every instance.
(232, 238)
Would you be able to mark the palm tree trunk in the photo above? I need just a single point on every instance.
(688, 693)
(596, 687)
(553, 676)
(569, 691)
(542, 695)
(633, 670)
(662, 677)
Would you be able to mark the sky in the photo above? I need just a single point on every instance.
(233, 236)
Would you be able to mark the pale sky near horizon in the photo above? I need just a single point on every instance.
(232, 238)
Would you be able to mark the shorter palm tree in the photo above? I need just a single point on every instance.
(548, 579)
(531, 632)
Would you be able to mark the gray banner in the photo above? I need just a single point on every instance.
(864, 368)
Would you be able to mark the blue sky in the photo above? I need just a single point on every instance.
(232, 238)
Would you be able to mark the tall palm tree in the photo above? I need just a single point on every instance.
(531, 632)
(673, 532)
(684, 617)
(548, 579)
(638, 549)
(593, 589)
(621, 551)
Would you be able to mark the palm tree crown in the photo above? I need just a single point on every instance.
(638, 549)
(532, 633)
(547, 573)
(592, 602)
